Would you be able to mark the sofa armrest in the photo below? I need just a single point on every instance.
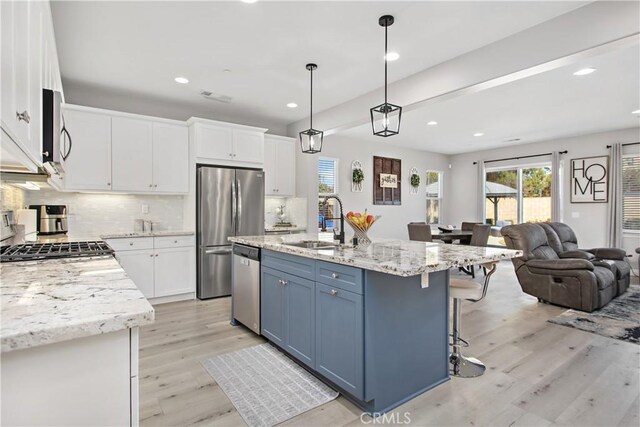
(577, 254)
(608, 253)
(560, 264)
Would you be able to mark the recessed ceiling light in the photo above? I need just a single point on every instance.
(478, 134)
(292, 105)
(392, 56)
(249, 1)
(635, 112)
(182, 80)
(432, 123)
(584, 71)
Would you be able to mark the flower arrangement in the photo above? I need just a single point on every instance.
(357, 177)
(415, 180)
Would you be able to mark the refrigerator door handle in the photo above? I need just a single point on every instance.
(239, 207)
(218, 251)
(234, 207)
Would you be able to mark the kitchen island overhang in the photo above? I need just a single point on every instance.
(371, 321)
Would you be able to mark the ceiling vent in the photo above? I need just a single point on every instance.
(216, 97)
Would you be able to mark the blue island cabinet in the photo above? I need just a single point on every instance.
(380, 339)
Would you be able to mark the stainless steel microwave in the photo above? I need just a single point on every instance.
(56, 141)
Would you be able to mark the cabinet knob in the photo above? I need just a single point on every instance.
(151, 255)
(108, 183)
(156, 255)
(175, 241)
(334, 292)
(130, 243)
(150, 185)
(334, 275)
(155, 185)
(24, 116)
(282, 282)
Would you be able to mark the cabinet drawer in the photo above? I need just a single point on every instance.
(339, 276)
(296, 265)
(131, 244)
(174, 241)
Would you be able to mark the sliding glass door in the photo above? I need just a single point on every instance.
(515, 195)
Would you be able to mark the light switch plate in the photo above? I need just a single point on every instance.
(575, 214)
(145, 208)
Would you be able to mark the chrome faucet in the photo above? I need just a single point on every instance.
(340, 236)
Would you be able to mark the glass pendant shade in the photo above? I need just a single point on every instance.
(385, 119)
(311, 141)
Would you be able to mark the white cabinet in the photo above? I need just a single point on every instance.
(248, 146)
(160, 266)
(223, 143)
(170, 158)
(88, 166)
(279, 166)
(174, 271)
(21, 57)
(131, 154)
(124, 152)
(139, 267)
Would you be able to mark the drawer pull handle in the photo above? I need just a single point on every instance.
(334, 275)
(283, 282)
(175, 241)
(334, 292)
(24, 116)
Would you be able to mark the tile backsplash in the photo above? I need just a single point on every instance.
(92, 214)
(295, 209)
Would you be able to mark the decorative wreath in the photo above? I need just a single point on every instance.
(415, 180)
(358, 176)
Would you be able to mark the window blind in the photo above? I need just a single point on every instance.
(631, 192)
(327, 177)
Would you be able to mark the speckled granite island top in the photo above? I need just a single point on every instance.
(55, 300)
(398, 257)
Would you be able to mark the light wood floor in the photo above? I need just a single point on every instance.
(538, 373)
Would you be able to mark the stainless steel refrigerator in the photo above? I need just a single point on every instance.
(230, 202)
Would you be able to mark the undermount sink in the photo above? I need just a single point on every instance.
(313, 244)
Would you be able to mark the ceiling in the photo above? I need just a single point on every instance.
(550, 105)
(256, 53)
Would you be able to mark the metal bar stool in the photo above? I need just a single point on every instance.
(459, 289)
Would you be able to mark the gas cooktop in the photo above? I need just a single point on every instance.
(39, 251)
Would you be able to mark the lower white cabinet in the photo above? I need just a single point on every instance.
(165, 269)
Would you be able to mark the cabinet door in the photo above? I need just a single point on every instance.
(248, 146)
(131, 154)
(88, 166)
(212, 142)
(299, 319)
(174, 271)
(272, 305)
(339, 338)
(34, 102)
(270, 167)
(286, 165)
(170, 158)
(139, 267)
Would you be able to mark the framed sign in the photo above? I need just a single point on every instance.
(387, 179)
(590, 180)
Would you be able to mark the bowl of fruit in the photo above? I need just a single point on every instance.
(361, 223)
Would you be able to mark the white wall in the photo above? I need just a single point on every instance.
(393, 223)
(589, 220)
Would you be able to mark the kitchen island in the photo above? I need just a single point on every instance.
(372, 321)
(69, 339)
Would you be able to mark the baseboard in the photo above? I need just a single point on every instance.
(173, 298)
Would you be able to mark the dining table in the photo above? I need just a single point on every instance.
(464, 236)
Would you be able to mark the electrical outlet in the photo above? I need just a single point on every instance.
(575, 214)
(145, 208)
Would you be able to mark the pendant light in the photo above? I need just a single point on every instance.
(311, 139)
(385, 118)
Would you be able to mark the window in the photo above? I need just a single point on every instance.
(434, 196)
(327, 186)
(631, 192)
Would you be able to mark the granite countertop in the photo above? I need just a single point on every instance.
(55, 300)
(147, 234)
(287, 228)
(398, 257)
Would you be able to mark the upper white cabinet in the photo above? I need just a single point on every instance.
(131, 154)
(124, 152)
(25, 27)
(225, 143)
(170, 158)
(88, 166)
(279, 166)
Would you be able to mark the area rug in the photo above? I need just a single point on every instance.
(265, 386)
(620, 319)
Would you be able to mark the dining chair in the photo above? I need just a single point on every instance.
(419, 231)
(468, 226)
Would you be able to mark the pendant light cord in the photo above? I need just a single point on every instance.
(385, 63)
(311, 103)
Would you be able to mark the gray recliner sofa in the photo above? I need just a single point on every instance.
(569, 282)
(565, 242)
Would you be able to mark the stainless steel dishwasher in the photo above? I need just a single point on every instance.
(245, 290)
